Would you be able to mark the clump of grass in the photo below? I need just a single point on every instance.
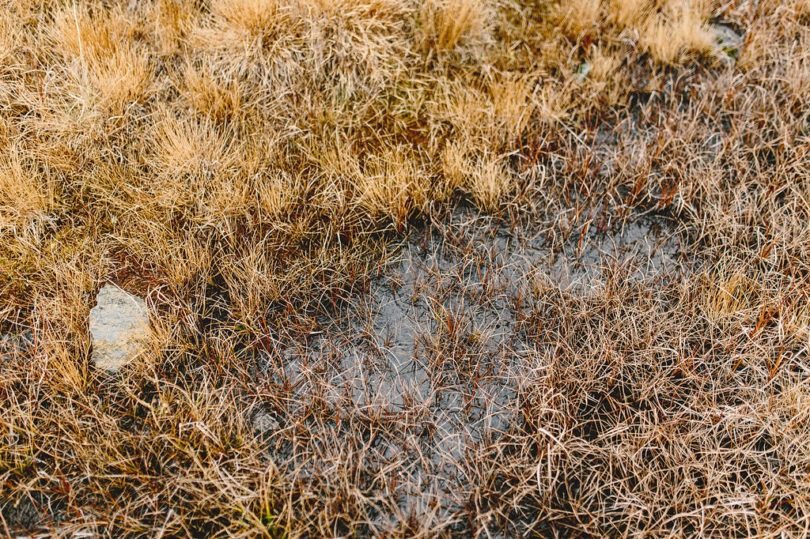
(488, 183)
(447, 22)
(252, 16)
(679, 30)
(578, 18)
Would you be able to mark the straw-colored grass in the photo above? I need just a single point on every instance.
(247, 166)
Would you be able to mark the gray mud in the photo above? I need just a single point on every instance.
(437, 342)
(12, 345)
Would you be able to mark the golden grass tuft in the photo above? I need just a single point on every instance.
(577, 18)
(211, 96)
(392, 186)
(677, 31)
(25, 196)
(173, 20)
(190, 147)
(252, 16)
(122, 78)
(628, 13)
(447, 22)
(489, 183)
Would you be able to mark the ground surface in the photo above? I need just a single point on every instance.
(441, 267)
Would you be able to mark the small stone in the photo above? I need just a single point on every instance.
(119, 327)
(727, 43)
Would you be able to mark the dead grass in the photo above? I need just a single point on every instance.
(247, 166)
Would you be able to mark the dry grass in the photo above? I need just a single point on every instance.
(248, 166)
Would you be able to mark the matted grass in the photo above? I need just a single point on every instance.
(252, 167)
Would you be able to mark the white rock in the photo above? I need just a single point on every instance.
(727, 43)
(119, 327)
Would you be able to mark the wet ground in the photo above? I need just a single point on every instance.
(435, 352)
(13, 344)
(428, 365)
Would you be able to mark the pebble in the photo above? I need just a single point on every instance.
(119, 328)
